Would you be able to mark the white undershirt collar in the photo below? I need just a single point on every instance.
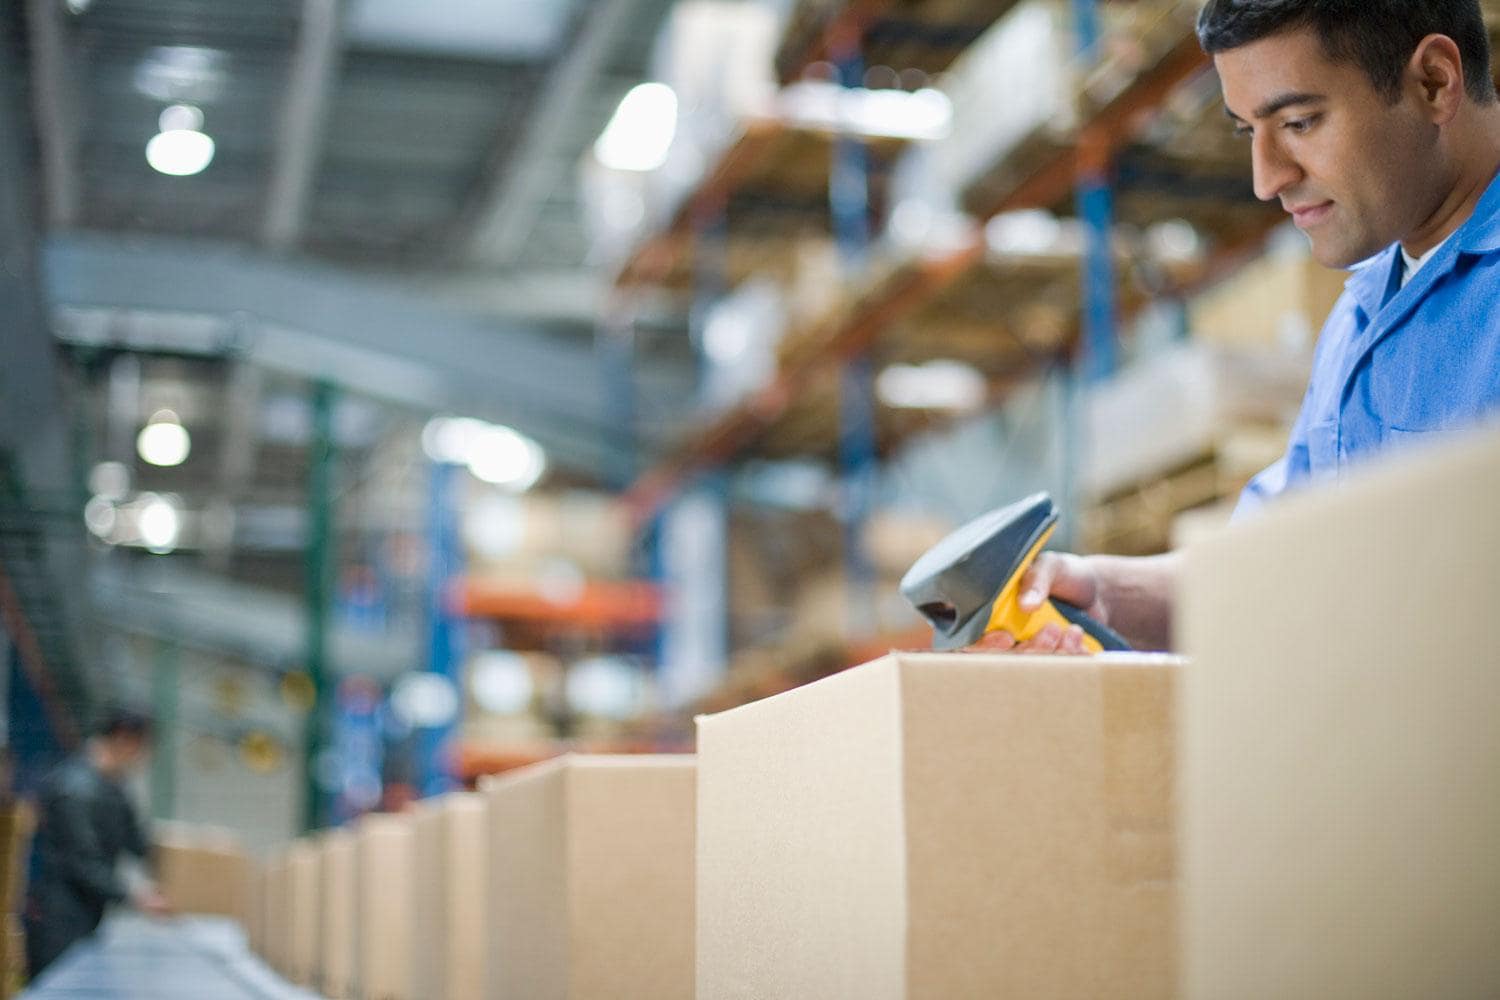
(1411, 265)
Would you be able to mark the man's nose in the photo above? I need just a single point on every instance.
(1274, 170)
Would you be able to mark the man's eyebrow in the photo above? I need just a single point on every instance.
(1280, 103)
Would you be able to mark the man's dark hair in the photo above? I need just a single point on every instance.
(1379, 36)
(125, 722)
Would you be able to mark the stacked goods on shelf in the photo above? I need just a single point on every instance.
(1276, 303)
(1341, 779)
(516, 540)
(715, 55)
(1189, 427)
(591, 879)
(452, 915)
(789, 594)
(275, 901)
(1031, 56)
(385, 900)
(935, 826)
(204, 870)
(740, 335)
(336, 914)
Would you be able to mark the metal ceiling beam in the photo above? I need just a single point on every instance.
(321, 323)
(205, 612)
(303, 117)
(509, 204)
(54, 108)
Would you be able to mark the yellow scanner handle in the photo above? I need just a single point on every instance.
(1008, 616)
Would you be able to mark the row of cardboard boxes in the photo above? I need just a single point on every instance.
(1307, 806)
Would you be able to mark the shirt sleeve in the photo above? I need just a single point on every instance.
(135, 834)
(80, 857)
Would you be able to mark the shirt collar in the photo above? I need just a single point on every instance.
(1371, 282)
(1481, 234)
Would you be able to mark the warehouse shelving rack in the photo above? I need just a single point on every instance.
(772, 178)
(896, 295)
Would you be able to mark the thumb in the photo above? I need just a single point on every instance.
(1037, 582)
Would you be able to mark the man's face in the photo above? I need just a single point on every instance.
(132, 753)
(1356, 171)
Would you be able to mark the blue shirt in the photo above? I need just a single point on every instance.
(1394, 364)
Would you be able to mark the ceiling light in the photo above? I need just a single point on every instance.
(926, 115)
(503, 457)
(640, 134)
(158, 523)
(164, 441)
(176, 73)
(494, 454)
(937, 385)
(180, 152)
(446, 439)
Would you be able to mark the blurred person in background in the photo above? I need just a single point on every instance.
(1375, 124)
(86, 823)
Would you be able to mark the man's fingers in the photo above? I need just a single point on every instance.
(1072, 641)
(1045, 641)
(995, 642)
(1036, 583)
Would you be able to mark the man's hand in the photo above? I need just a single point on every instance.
(151, 902)
(1067, 577)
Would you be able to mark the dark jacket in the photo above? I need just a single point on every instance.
(85, 822)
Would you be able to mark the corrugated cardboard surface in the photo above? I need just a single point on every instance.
(466, 915)
(1341, 729)
(429, 933)
(255, 919)
(452, 893)
(276, 902)
(336, 940)
(386, 897)
(302, 913)
(801, 865)
(592, 880)
(204, 873)
(942, 827)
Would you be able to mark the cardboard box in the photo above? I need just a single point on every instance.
(275, 935)
(1278, 302)
(452, 864)
(302, 891)
(203, 870)
(255, 919)
(1341, 787)
(336, 938)
(386, 895)
(592, 880)
(942, 827)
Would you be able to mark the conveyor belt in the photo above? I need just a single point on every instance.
(188, 958)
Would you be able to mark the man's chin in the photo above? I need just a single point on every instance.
(1338, 255)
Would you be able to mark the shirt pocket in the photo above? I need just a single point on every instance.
(1401, 439)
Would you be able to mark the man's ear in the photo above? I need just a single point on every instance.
(1436, 69)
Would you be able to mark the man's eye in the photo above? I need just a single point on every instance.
(1298, 126)
(1243, 131)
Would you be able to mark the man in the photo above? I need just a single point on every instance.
(1375, 123)
(85, 823)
